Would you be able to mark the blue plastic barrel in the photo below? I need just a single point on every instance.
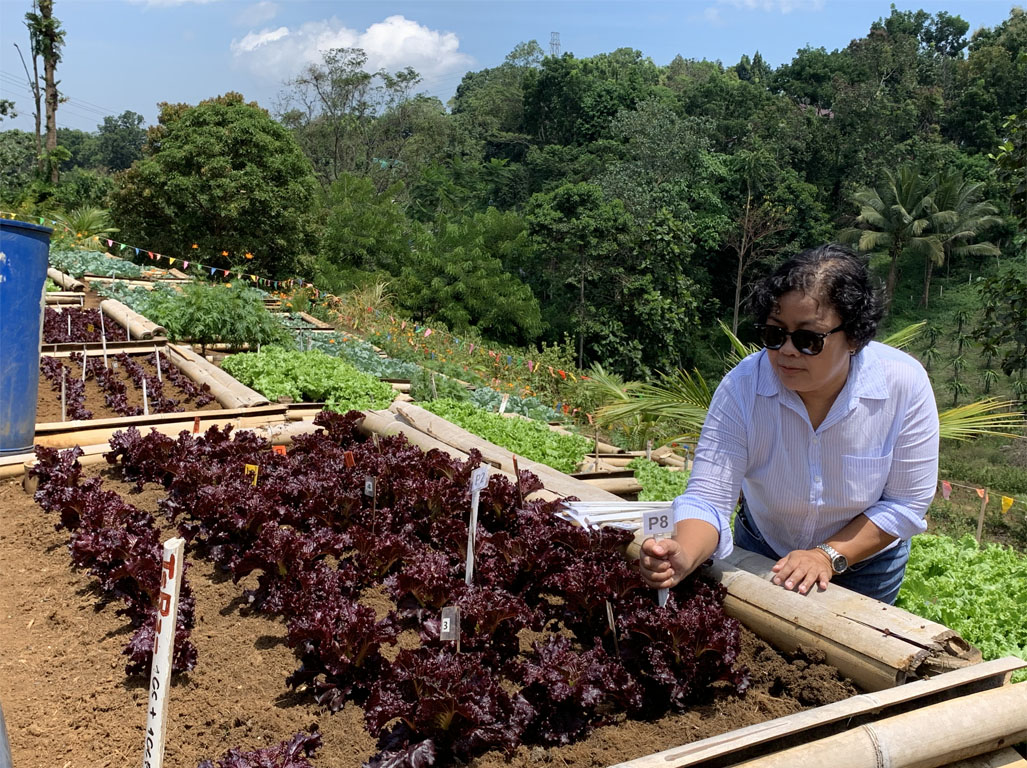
(24, 251)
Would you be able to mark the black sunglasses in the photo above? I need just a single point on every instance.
(807, 342)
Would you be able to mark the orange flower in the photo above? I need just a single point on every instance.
(195, 246)
(224, 253)
(249, 255)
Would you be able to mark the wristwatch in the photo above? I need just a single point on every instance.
(839, 563)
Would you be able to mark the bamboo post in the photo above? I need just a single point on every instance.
(980, 517)
(935, 735)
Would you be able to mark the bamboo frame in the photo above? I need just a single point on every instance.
(229, 392)
(137, 326)
(878, 646)
(959, 729)
(67, 282)
(66, 434)
(499, 457)
(754, 742)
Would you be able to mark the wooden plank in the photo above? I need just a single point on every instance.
(65, 434)
(200, 370)
(95, 349)
(138, 327)
(817, 723)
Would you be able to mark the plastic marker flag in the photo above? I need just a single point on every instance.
(1007, 502)
(212, 270)
(946, 489)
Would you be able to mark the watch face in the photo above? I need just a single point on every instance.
(839, 563)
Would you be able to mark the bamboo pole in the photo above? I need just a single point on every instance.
(501, 458)
(229, 392)
(1002, 758)
(771, 736)
(958, 730)
(67, 282)
(876, 645)
(133, 323)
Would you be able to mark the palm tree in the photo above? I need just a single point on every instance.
(895, 217)
(959, 215)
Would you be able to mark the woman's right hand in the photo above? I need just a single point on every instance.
(662, 563)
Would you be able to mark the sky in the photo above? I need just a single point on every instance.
(132, 54)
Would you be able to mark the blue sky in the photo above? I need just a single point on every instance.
(132, 54)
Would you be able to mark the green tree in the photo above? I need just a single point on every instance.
(222, 175)
(1004, 323)
(120, 140)
(331, 107)
(456, 275)
(573, 101)
(363, 229)
(578, 235)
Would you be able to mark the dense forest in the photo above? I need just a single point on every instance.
(609, 204)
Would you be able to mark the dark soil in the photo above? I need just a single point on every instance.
(68, 703)
(48, 403)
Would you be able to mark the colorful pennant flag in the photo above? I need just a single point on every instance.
(1007, 502)
(946, 489)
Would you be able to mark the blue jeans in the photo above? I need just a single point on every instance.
(878, 577)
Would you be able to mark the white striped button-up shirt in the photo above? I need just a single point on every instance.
(876, 453)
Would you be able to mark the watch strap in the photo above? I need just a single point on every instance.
(839, 563)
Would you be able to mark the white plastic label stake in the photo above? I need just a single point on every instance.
(64, 396)
(658, 525)
(479, 479)
(369, 484)
(146, 401)
(163, 649)
(503, 403)
(449, 627)
(156, 353)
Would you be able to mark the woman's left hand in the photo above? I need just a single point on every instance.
(800, 569)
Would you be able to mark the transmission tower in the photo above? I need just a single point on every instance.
(554, 44)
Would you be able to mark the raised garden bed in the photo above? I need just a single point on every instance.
(64, 673)
(115, 391)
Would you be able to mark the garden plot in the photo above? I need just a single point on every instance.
(115, 386)
(64, 673)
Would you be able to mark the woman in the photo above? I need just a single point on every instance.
(831, 438)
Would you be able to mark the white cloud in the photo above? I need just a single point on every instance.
(391, 44)
(255, 40)
(775, 6)
(258, 13)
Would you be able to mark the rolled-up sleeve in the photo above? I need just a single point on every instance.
(720, 461)
(913, 476)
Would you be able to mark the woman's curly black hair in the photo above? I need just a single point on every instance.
(830, 273)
